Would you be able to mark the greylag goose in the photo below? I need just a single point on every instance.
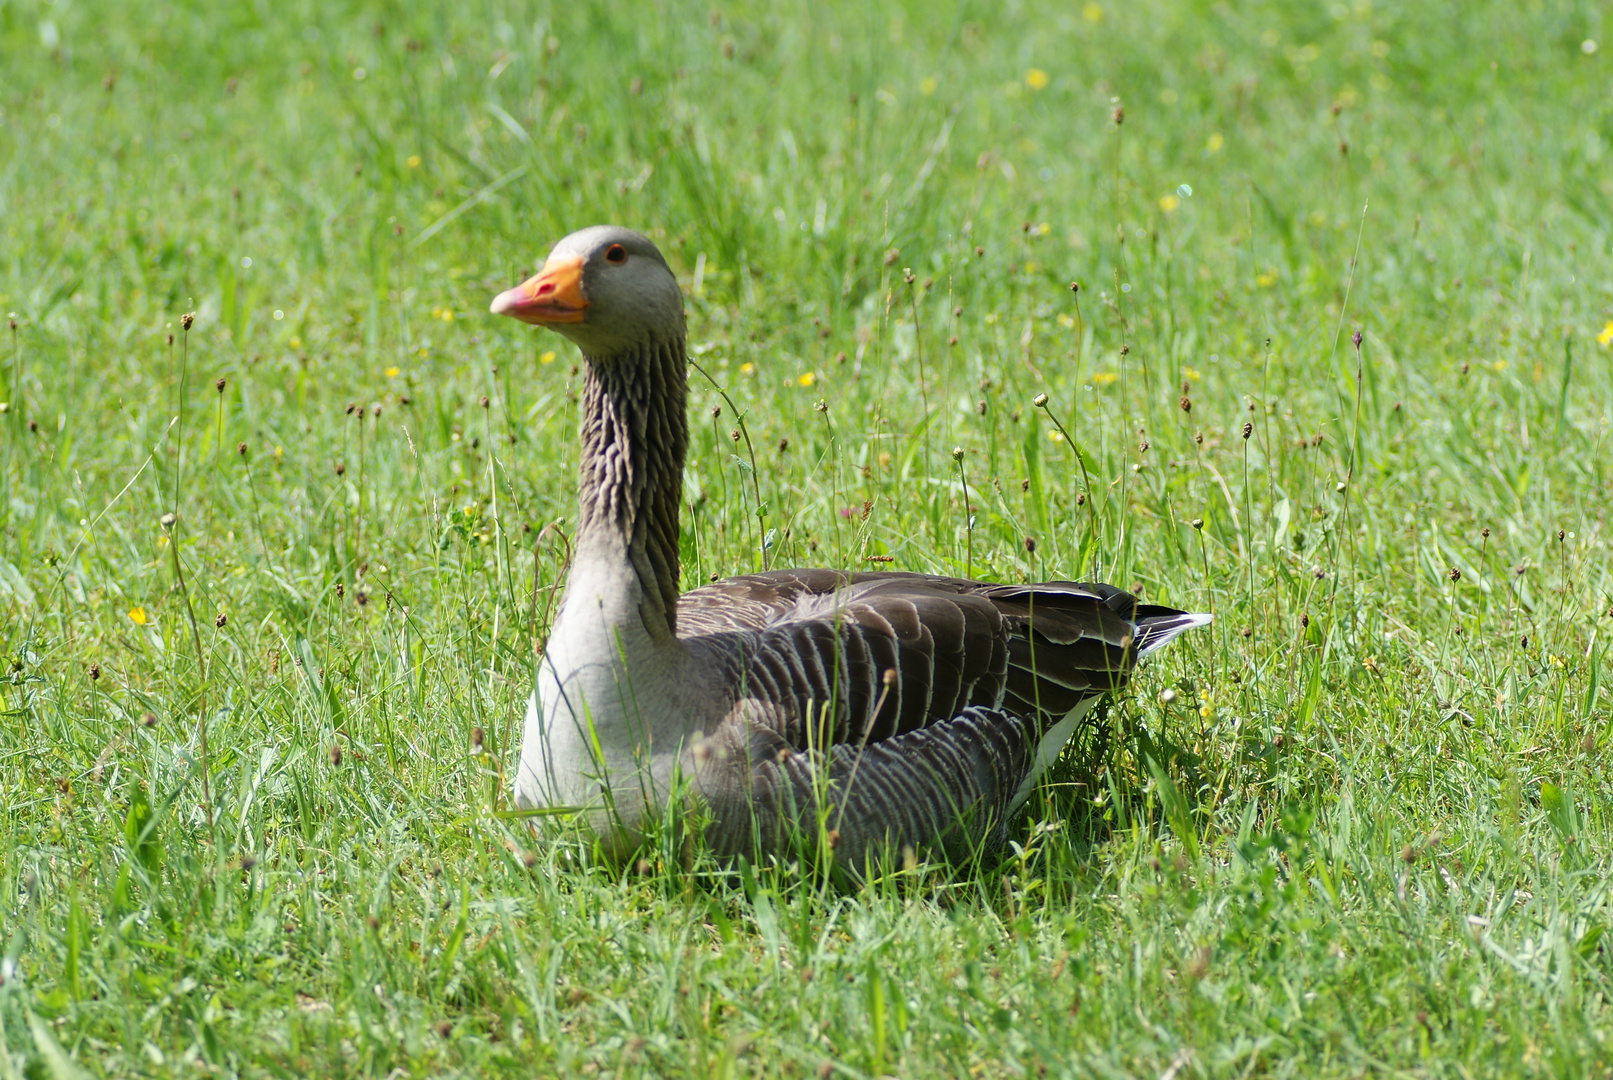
(879, 713)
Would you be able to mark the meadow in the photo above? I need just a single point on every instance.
(1320, 298)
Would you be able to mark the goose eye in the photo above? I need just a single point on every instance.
(616, 253)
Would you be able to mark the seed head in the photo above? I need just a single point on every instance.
(1186, 403)
(335, 754)
(1485, 532)
(341, 469)
(716, 411)
(1075, 286)
(219, 384)
(240, 448)
(1125, 350)
(375, 410)
(1030, 545)
(1248, 429)
(783, 445)
(148, 720)
(980, 407)
(95, 672)
(889, 677)
(1118, 115)
(220, 620)
(1355, 339)
(1455, 574)
(187, 320)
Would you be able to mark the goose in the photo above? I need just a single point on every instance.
(871, 714)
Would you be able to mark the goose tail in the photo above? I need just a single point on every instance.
(1155, 630)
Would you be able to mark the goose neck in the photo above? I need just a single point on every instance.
(634, 441)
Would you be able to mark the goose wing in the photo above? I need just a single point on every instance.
(809, 650)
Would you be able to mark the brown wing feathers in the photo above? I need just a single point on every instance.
(805, 638)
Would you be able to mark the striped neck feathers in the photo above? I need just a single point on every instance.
(635, 437)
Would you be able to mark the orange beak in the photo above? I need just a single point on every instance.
(553, 295)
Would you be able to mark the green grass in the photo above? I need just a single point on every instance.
(1359, 826)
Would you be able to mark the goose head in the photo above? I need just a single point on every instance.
(607, 289)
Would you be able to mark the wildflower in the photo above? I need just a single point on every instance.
(1036, 78)
(547, 357)
(1606, 336)
(1191, 374)
(413, 162)
(1169, 203)
(1266, 280)
(392, 372)
(137, 615)
(1092, 13)
(1103, 378)
(1214, 143)
(746, 368)
(806, 378)
(928, 85)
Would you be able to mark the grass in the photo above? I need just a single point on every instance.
(1359, 826)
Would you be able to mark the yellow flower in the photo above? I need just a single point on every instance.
(547, 358)
(1065, 321)
(1499, 365)
(1036, 78)
(1214, 143)
(1169, 203)
(447, 315)
(137, 615)
(1606, 336)
(928, 85)
(1104, 378)
(1190, 374)
(1267, 279)
(295, 342)
(392, 372)
(1055, 434)
(1092, 13)
(746, 368)
(414, 161)
(806, 379)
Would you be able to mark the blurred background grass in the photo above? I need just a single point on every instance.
(1361, 824)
